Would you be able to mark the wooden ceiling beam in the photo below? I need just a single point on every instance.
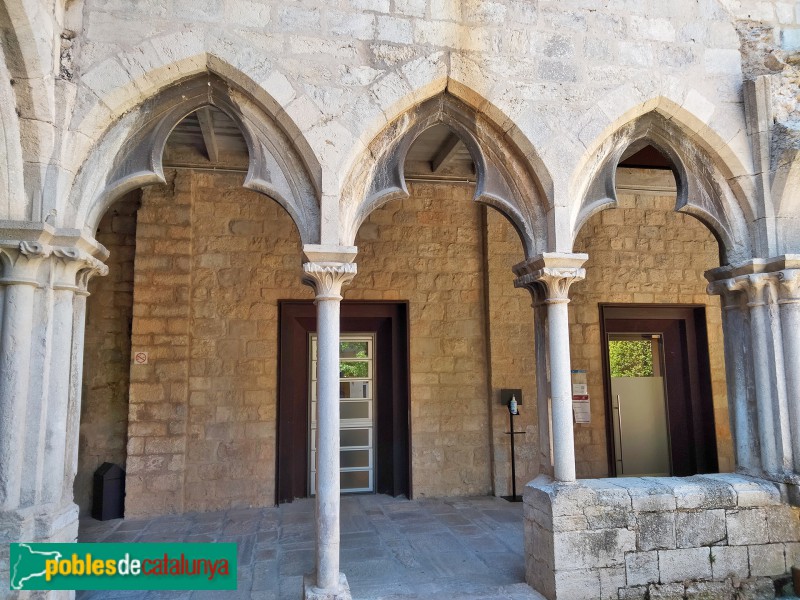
(209, 135)
(445, 153)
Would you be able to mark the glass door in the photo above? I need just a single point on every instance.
(639, 404)
(356, 413)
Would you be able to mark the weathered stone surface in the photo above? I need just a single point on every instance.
(729, 561)
(666, 591)
(783, 524)
(767, 560)
(747, 526)
(759, 588)
(700, 528)
(641, 568)
(579, 584)
(710, 590)
(680, 565)
(655, 531)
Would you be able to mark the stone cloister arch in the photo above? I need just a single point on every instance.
(703, 188)
(129, 155)
(505, 178)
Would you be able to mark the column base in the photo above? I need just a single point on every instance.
(42, 523)
(312, 592)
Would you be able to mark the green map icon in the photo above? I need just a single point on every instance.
(28, 564)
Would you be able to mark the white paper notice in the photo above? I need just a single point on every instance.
(582, 409)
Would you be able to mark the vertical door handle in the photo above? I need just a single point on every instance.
(618, 408)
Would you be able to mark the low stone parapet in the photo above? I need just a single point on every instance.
(707, 536)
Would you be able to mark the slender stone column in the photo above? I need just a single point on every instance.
(542, 379)
(76, 375)
(19, 279)
(67, 263)
(739, 374)
(555, 273)
(327, 279)
(768, 371)
(756, 286)
(789, 302)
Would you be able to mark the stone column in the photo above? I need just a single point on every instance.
(555, 273)
(38, 346)
(767, 369)
(542, 378)
(76, 374)
(327, 279)
(19, 282)
(789, 303)
(739, 374)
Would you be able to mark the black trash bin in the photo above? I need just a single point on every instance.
(109, 492)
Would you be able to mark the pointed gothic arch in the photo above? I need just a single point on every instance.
(129, 155)
(505, 178)
(703, 189)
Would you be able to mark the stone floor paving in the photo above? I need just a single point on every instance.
(392, 548)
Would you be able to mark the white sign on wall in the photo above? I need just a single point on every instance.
(581, 407)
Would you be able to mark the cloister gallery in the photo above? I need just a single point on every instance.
(254, 251)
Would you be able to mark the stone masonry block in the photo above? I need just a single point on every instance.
(666, 591)
(710, 590)
(701, 528)
(611, 581)
(688, 563)
(767, 560)
(641, 568)
(750, 491)
(655, 531)
(697, 492)
(594, 548)
(792, 552)
(758, 588)
(647, 495)
(582, 584)
(747, 527)
(729, 561)
(783, 523)
(633, 593)
(608, 517)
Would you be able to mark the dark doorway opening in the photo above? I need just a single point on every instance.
(388, 321)
(675, 341)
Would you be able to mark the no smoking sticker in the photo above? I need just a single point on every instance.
(141, 358)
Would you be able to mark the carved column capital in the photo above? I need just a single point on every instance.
(732, 297)
(551, 283)
(549, 276)
(21, 261)
(789, 286)
(328, 278)
(73, 268)
(757, 287)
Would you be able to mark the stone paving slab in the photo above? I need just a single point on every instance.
(392, 548)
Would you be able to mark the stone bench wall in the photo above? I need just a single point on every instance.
(711, 536)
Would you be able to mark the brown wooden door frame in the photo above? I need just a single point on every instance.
(693, 442)
(392, 429)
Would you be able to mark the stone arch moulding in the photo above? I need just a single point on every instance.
(505, 179)
(702, 189)
(130, 154)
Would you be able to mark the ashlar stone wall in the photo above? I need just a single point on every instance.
(428, 249)
(711, 536)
